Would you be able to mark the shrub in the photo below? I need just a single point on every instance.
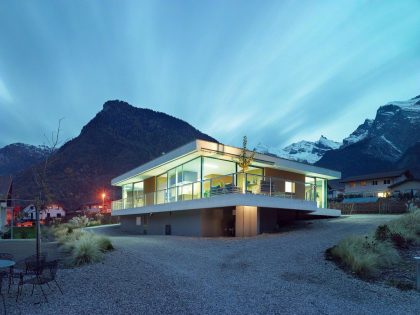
(99, 217)
(365, 256)
(94, 223)
(70, 237)
(79, 221)
(85, 251)
(407, 226)
(382, 233)
(104, 243)
(399, 240)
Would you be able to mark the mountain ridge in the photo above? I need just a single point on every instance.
(119, 138)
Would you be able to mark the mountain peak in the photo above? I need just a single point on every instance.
(302, 151)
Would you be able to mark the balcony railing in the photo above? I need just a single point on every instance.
(236, 183)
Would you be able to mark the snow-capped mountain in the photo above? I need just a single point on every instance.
(302, 151)
(378, 144)
(359, 134)
(16, 157)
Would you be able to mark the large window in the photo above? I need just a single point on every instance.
(316, 190)
(217, 175)
(180, 183)
(127, 194)
(138, 194)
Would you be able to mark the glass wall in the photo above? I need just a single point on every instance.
(316, 189)
(180, 183)
(321, 192)
(252, 180)
(127, 195)
(138, 194)
(218, 175)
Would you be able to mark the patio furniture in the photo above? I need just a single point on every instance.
(12, 274)
(2, 276)
(45, 273)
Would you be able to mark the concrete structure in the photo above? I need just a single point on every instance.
(199, 190)
(6, 184)
(370, 187)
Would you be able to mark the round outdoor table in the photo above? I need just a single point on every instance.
(5, 263)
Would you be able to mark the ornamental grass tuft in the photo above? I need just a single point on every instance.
(364, 255)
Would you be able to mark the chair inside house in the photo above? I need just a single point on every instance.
(267, 187)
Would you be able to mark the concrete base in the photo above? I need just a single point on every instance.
(238, 221)
(247, 221)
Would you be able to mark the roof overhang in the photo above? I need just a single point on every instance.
(212, 149)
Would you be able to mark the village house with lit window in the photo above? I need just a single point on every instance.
(370, 187)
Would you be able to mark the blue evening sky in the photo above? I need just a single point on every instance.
(277, 71)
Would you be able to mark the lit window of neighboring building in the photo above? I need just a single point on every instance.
(352, 184)
(382, 194)
(363, 183)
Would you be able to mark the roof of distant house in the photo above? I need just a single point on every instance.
(335, 184)
(5, 186)
(405, 181)
(391, 174)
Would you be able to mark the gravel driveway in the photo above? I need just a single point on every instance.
(281, 273)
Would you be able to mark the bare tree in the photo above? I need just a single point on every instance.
(40, 174)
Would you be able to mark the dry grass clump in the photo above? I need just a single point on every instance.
(86, 250)
(104, 243)
(83, 247)
(364, 255)
(408, 226)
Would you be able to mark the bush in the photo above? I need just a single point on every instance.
(79, 221)
(104, 243)
(364, 255)
(85, 251)
(382, 233)
(407, 226)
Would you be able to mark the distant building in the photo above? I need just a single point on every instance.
(370, 187)
(6, 184)
(406, 189)
(335, 190)
(92, 208)
(51, 212)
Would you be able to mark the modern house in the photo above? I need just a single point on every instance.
(370, 187)
(6, 184)
(199, 190)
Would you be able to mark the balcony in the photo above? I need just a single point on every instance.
(236, 183)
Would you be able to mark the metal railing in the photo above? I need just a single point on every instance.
(235, 183)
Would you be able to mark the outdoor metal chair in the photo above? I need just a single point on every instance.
(31, 263)
(11, 273)
(2, 275)
(45, 273)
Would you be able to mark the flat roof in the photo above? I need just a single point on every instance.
(375, 176)
(198, 148)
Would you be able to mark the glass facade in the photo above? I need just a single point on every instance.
(316, 189)
(203, 177)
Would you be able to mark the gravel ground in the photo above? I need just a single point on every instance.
(281, 273)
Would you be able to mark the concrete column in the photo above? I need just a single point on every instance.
(247, 221)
